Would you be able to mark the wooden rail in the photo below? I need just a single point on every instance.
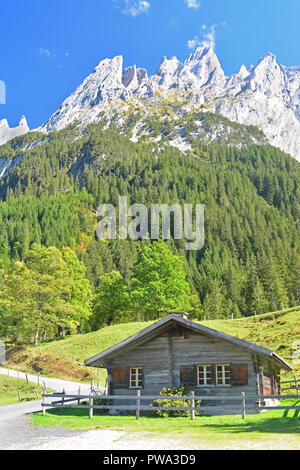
(241, 402)
(295, 386)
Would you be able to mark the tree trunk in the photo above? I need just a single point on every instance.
(37, 334)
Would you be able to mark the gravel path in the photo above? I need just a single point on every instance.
(50, 382)
(98, 440)
(16, 433)
(15, 429)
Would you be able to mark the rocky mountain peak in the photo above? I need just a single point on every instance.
(169, 67)
(205, 65)
(268, 77)
(4, 124)
(23, 122)
(108, 72)
(200, 53)
(7, 133)
(243, 72)
(265, 95)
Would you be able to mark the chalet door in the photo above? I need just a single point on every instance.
(267, 386)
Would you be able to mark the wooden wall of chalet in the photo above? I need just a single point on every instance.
(163, 356)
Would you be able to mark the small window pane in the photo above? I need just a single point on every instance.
(204, 375)
(136, 377)
(223, 374)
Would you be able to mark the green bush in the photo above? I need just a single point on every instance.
(181, 391)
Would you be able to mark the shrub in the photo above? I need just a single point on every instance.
(182, 391)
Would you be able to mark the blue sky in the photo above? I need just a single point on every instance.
(47, 47)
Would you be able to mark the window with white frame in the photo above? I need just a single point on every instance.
(204, 375)
(136, 377)
(223, 374)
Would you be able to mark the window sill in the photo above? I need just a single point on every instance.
(213, 386)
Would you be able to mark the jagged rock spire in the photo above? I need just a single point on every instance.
(267, 94)
(7, 133)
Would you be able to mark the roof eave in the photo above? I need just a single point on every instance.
(285, 364)
(127, 341)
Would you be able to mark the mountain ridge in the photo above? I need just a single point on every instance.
(266, 95)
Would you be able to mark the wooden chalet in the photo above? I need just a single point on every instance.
(175, 351)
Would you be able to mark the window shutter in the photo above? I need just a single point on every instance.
(120, 377)
(239, 374)
(143, 378)
(128, 377)
(187, 375)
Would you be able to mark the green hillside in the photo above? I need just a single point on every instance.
(276, 331)
(250, 261)
(10, 386)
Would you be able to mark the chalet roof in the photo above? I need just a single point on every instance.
(151, 331)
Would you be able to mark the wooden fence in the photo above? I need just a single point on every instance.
(241, 403)
(295, 386)
(38, 379)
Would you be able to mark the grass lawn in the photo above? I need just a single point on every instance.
(9, 387)
(271, 429)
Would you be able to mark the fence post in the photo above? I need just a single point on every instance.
(138, 404)
(37, 395)
(19, 396)
(261, 384)
(26, 378)
(44, 408)
(192, 405)
(91, 404)
(79, 390)
(296, 385)
(243, 405)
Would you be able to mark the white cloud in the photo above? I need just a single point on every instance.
(193, 43)
(46, 52)
(193, 4)
(134, 7)
(207, 37)
(2, 101)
